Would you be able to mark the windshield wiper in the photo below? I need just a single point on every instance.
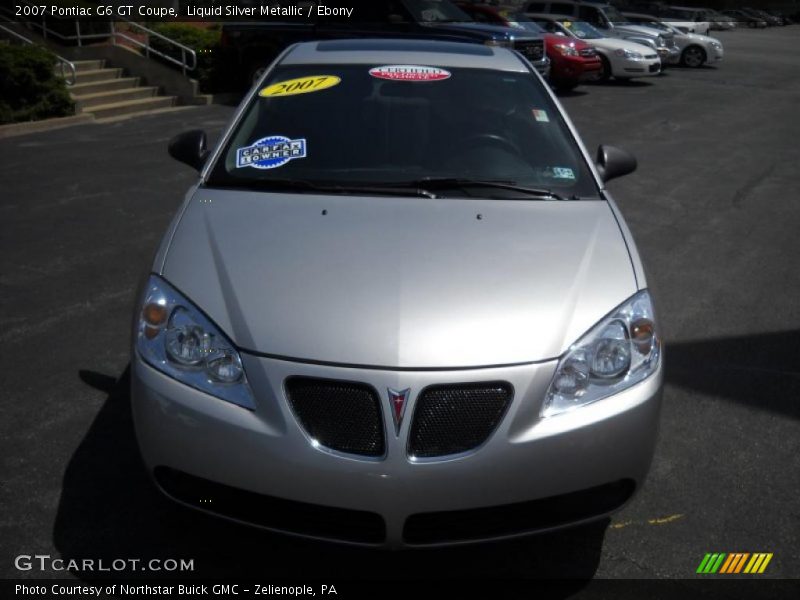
(303, 185)
(443, 183)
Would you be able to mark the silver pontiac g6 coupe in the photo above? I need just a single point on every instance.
(398, 307)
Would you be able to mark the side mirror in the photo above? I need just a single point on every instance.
(614, 162)
(190, 147)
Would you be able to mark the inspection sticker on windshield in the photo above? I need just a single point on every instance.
(301, 85)
(410, 73)
(270, 152)
(563, 173)
(540, 115)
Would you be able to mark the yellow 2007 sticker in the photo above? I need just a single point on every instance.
(301, 85)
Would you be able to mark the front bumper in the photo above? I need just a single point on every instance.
(265, 456)
(567, 69)
(672, 56)
(640, 68)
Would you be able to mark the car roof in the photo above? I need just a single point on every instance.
(402, 51)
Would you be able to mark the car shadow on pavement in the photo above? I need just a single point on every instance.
(759, 370)
(109, 509)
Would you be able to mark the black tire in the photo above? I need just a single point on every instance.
(565, 86)
(693, 57)
(605, 72)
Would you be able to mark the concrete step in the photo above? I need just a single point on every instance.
(85, 102)
(95, 87)
(88, 65)
(98, 75)
(118, 109)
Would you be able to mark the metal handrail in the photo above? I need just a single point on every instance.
(187, 62)
(186, 51)
(63, 62)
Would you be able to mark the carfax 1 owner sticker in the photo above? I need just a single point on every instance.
(270, 152)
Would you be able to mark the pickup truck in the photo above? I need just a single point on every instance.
(249, 47)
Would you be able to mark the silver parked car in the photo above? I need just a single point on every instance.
(398, 308)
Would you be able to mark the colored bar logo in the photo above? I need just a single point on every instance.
(734, 563)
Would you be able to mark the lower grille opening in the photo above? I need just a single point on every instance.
(340, 415)
(455, 418)
(290, 516)
(522, 517)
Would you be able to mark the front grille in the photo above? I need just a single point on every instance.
(513, 519)
(533, 50)
(588, 52)
(450, 419)
(339, 415)
(651, 56)
(356, 526)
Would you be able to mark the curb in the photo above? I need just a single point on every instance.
(14, 129)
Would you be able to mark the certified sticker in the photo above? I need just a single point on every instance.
(301, 85)
(270, 152)
(410, 73)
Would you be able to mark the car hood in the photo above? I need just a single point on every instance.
(629, 29)
(399, 282)
(553, 40)
(619, 44)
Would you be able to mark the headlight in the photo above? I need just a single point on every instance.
(716, 45)
(628, 54)
(566, 49)
(176, 338)
(500, 43)
(620, 351)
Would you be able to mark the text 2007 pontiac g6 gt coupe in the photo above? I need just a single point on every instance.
(398, 308)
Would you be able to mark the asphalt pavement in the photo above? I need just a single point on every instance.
(714, 208)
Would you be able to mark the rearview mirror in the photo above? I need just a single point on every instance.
(190, 147)
(614, 162)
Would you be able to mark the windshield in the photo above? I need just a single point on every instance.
(583, 30)
(436, 11)
(522, 21)
(651, 24)
(397, 125)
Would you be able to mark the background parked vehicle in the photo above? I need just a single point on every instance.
(745, 20)
(621, 59)
(695, 18)
(610, 22)
(696, 50)
(250, 46)
(571, 60)
(771, 20)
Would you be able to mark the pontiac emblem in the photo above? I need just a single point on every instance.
(398, 399)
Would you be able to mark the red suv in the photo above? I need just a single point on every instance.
(572, 60)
